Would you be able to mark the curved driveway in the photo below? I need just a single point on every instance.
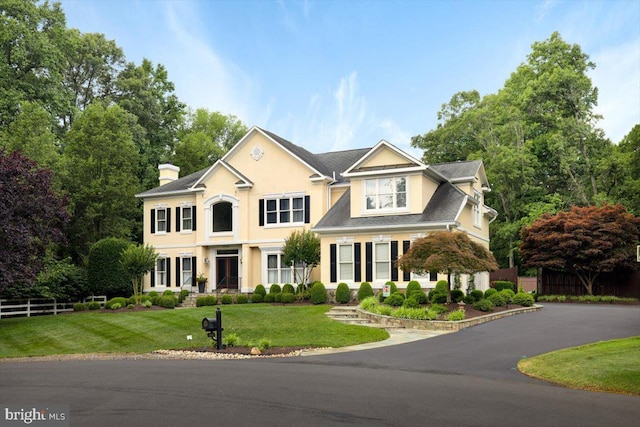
(466, 378)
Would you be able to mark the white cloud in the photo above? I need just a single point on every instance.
(544, 7)
(350, 111)
(617, 77)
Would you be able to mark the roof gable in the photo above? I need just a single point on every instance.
(383, 158)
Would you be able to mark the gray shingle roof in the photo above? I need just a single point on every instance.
(455, 170)
(339, 161)
(300, 152)
(181, 184)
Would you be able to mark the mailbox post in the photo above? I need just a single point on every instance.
(213, 328)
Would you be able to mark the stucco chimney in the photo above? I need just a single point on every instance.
(168, 173)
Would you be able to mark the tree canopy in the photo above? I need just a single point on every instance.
(585, 241)
(302, 249)
(447, 252)
(138, 260)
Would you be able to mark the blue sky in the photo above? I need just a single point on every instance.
(331, 75)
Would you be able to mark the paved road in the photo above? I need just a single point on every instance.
(467, 378)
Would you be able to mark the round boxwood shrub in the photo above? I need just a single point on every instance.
(260, 290)
(242, 299)
(437, 297)
(168, 293)
(278, 297)
(287, 297)
(117, 300)
(183, 295)
(365, 291)
(167, 301)
(442, 286)
(343, 293)
(257, 298)
(93, 305)
(411, 302)
(288, 288)
(412, 286)
(489, 292)
(275, 289)
(524, 299)
(457, 295)
(226, 299)
(395, 299)
(207, 301)
(80, 306)
(105, 273)
(270, 298)
(469, 299)
(419, 295)
(477, 294)
(484, 305)
(318, 293)
(497, 299)
(508, 295)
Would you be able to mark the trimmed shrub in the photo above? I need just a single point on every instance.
(457, 295)
(477, 294)
(524, 299)
(441, 286)
(395, 299)
(105, 273)
(269, 298)
(412, 286)
(365, 291)
(438, 308)
(490, 292)
(275, 289)
(80, 306)
(93, 305)
(117, 300)
(420, 296)
(278, 297)
(343, 293)
(152, 294)
(288, 288)
(257, 298)
(183, 294)
(226, 299)
(411, 302)
(167, 301)
(207, 301)
(260, 290)
(469, 299)
(484, 305)
(242, 299)
(288, 297)
(508, 295)
(436, 297)
(499, 285)
(168, 293)
(456, 316)
(318, 293)
(497, 299)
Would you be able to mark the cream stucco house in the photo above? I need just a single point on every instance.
(229, 222)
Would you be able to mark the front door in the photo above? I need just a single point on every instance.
(227, 272)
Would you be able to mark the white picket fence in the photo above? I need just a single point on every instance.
(41, 306)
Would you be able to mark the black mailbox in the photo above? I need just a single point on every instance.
(213, 328)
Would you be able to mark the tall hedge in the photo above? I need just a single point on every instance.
(104, 270)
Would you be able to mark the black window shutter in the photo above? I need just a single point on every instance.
(153, 277)
(368, 261)
(406, 274)
(178, 218)
(153, 221)
(193, 218)
(261, 212)
(307, 209)
(357, 265)
(168, 275)
(193, 271)
(178, 270)
(333, 262)
(394, 258)
(168, 220)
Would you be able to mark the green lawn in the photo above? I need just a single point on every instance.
(146, 331)
(610, 366)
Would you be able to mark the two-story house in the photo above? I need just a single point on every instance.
(229, 222)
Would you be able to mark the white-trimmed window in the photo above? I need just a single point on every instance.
(285, 210)
(161, 272)
(382, 261)
(477, 209)
(186, 218)
(185, 264)
(161, 220)
(222, 217)
(277, 271)
(345, 262)
(383, 194)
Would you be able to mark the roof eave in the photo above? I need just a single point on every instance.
(364, 228)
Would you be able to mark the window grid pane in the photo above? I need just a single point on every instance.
(186, 218)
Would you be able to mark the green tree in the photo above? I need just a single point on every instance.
(621, 171)
(302, 249)
(138, 260)
(99, 173)
(585, 241)
(104, 268)
(447, 252)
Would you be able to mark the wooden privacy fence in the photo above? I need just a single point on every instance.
(41, 306)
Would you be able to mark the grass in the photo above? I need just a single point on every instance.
(610, 366)
(146, 331)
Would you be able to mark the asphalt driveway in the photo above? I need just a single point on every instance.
(466, 378)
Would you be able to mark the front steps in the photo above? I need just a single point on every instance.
(349, 315)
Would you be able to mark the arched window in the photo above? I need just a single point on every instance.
(222, 217)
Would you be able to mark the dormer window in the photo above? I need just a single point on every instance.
(385, 194)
